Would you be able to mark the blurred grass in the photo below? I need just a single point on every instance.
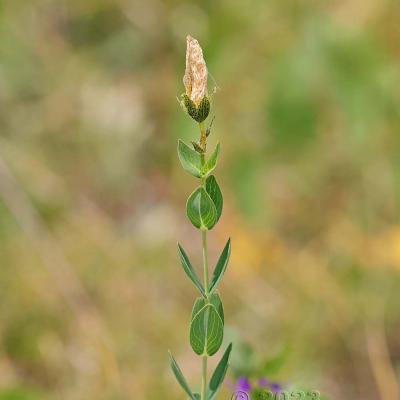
(92, 196)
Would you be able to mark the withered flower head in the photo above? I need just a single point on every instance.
(195, 78)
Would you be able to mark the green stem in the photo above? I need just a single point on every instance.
(205, 264)
(205, 273)
(203, 138)
(204, 380)
(205, 259)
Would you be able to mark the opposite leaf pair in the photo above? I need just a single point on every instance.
(192, 161)
(218, 271)
(215, 381)
(207, 325)
(204, 206)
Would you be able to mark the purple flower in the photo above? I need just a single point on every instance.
(243, 385)
(273, 386)
(263, 382)
(276, 387)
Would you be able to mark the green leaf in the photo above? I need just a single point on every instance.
(221, 266)
(198, 305)
(215, 300)
(201, 209)
(197, 396)
(188, 268)
(219, 374)
(206, 328)
(212, 161)
(179, 376)
(190, 159)
(214, 192)
(196, 342)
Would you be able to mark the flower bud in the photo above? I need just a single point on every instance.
(197, 147)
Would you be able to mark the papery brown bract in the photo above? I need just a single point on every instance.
(195, 78)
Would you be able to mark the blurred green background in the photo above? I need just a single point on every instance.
(92, 195)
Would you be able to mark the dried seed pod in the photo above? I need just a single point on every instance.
(195, 78)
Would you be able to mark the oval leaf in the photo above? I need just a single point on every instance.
(197, 340)
(206, 329)
(179, 377)
(221, 266)
(198, 305)
(215, 300)
(190, 159)
(212, 161)
(219, 373)
(214, 192)
(201, 209)
(188, 268)
(215, 331)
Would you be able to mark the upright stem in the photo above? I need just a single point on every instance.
(205, 273)
(203, 139)
(205, 259)
(204, 380)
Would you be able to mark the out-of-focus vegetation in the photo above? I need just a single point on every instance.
(91, 194)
